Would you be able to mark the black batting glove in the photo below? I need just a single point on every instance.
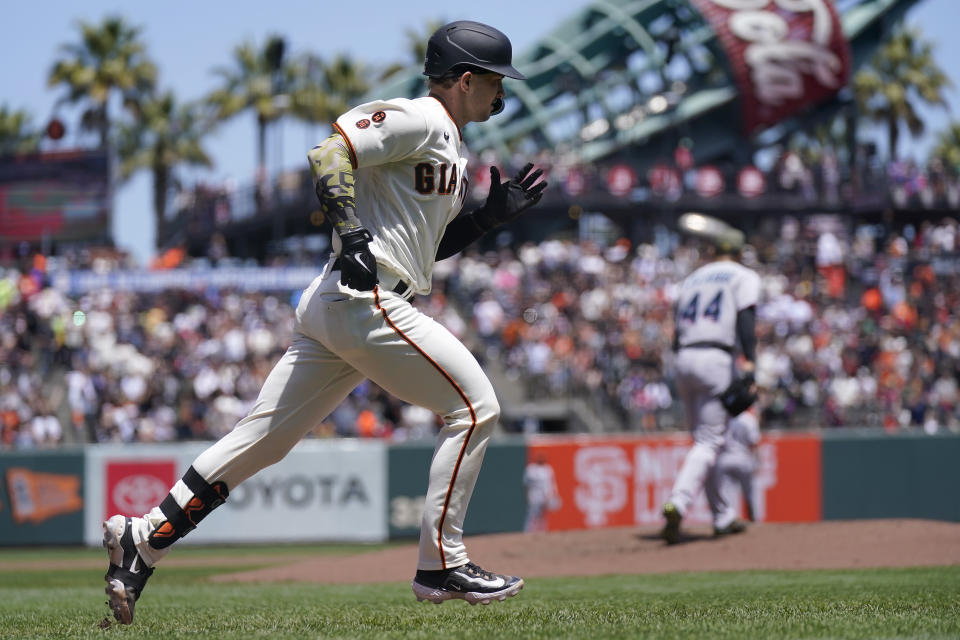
(509, 199)
(358, 267)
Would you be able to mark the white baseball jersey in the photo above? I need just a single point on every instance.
(733, 475)
(541, 483)
(706, 316)
(709, 299)
(408, 159)
(743, 433)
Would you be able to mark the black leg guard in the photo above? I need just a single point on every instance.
(182, 520)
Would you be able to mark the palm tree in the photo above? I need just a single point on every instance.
(259, 80)
(109, 58)
(163, 136)
(16, 133)
(320, 92)
(948, 146)
(346, 80)
(901, 74)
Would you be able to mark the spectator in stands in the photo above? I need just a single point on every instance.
(571, 319)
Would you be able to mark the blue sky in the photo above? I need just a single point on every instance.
(189, 39)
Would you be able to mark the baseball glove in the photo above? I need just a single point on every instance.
(738, 397)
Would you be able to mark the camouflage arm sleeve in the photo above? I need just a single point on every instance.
(333, 181)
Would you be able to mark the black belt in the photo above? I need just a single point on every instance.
(400, 289)
(708, 345)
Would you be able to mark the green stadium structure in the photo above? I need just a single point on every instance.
(624, 86)
(624, 78)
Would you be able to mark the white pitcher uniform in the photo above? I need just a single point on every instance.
(542, 495)
(706, 315)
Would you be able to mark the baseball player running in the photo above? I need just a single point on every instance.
(715, 310)
(392, 179)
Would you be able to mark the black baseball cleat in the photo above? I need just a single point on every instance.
(737, 526)
(468, 582)
(671, 530)
(127, 573)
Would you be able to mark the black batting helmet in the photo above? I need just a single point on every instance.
(469, 44)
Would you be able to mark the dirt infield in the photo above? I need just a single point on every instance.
(820, 545)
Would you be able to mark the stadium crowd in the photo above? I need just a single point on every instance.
(180, 364)
(854, 329)
(860, 331)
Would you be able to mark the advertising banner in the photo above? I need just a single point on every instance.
(62, 195)
(625, 481)
(41, 498)
(785, 54)
(135, 487)
(751, 182)
(78, 282)
(621, 179)
(709, 182)
(322, 490)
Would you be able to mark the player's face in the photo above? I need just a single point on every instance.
(487, 88)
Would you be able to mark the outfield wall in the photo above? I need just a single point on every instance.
(365, 490)
(908, 476)
(497, 504)
(41, 497)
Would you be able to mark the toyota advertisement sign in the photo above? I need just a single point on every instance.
(133, 488)
(322, 490)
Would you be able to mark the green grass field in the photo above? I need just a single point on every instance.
(179, 602)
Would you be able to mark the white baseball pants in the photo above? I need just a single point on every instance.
(702, 374)
(732, 478)
(343, 336)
